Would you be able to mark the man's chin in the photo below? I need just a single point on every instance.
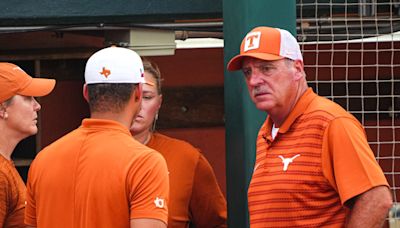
(263, 106)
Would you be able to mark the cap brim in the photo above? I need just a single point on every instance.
(38, 87)
(236, 62)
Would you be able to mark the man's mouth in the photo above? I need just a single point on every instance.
(259, 92)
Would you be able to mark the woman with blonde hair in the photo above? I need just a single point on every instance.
(18, 120)
(195, 197)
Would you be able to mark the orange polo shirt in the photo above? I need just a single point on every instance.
(96, 176)
(12, 195)
(195, 197)
(319, 159)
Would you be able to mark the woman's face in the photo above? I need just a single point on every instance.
(22, 115)
(151, 103)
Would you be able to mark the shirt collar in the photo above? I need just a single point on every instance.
(298, 110)
(103, 124)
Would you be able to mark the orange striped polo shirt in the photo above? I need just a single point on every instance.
(319, 159)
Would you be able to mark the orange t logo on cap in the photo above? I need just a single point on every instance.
(252, 41)
(105, 72)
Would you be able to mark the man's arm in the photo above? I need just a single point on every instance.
(148, 183)
(147, 223)
(370, 208)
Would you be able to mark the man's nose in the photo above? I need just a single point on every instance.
(254, 78)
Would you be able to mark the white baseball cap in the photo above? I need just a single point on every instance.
(267, 43)
(114, 65)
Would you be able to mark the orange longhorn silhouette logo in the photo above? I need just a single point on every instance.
(105, 72)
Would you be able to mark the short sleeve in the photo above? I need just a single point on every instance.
(348, 161)
(148, 186)
(207, 204)
(30, 208)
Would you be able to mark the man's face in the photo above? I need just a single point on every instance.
(271, 84)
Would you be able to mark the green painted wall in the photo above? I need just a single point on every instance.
(242, 118)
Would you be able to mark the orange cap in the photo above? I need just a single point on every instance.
(266, 43)
(13, 81)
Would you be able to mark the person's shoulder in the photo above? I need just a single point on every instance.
(143, 154)
(179, 145)
(322, 106)
(4, 182)
(168, 139)
(59, 143)
(66, 138)
(3, 162)
(6, 172)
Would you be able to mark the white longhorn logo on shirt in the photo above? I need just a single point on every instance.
(287, 161)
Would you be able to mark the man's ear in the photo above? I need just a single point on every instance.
(299, 69)
(138, 92)
(85, 92)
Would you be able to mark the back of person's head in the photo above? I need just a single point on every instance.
(266, 43)
(152, 68)
(111, 75)
(105, 97)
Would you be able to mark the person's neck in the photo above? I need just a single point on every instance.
(278, 117)
(121, 118)
(143, 137)
(7, 145)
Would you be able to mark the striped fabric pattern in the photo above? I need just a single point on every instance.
(288, 188)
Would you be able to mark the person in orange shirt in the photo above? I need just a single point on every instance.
(195, 197)
(314, 167)
(98, 175)
(18, 119)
